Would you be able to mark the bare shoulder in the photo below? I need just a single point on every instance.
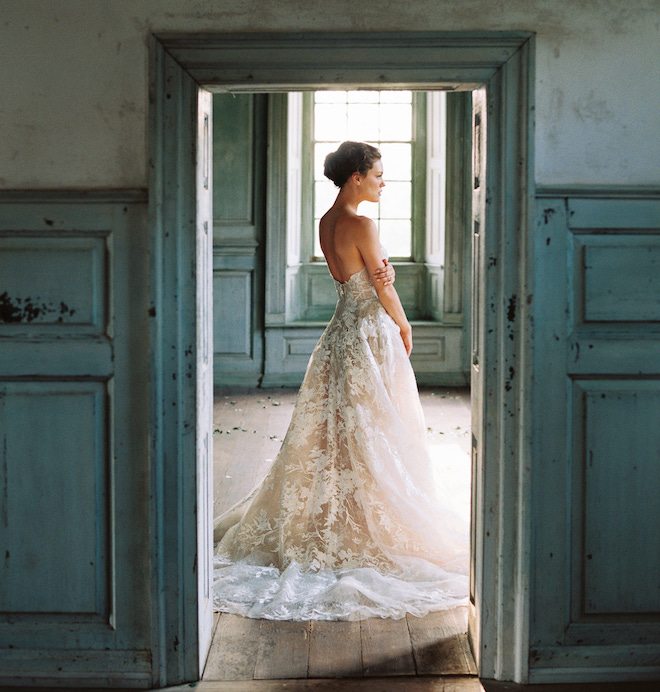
(364, 230)
(358, 226)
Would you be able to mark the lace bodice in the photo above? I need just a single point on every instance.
(357, 288)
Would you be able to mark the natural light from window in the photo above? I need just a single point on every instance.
(381, 118)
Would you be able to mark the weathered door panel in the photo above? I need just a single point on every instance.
(597, 306)
(477, 344)
(74, 573)
(181, 343)
(204, 374)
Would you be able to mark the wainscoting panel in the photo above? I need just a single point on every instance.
(617, 442)
(74, 452)
(239, 122)
(232, 301)
(596, 594)
(53, 567)
(54, 284)
(619, 277)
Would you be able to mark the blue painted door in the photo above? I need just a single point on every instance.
(74, 510)
(596, 585)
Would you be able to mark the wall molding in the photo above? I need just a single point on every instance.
(599, 191)
(113, 196)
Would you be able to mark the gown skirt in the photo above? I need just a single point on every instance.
(350, 521)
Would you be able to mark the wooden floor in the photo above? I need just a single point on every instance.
(245, 649)
(383, 654)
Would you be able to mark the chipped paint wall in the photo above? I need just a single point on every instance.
(73, 84)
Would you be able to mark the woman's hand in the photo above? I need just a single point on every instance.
(406, 335)
(385, 275)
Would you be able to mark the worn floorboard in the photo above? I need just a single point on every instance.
(234, 649)
(335, 650)
(439, 643)
(245, 649)
(456, 683)
(283, 650)
(386, 647)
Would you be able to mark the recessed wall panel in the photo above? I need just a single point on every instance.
(617, 496)
(53, 285)
(321, 292)
(232, 304)
(233, 165)
(618, 277)
(54, 493)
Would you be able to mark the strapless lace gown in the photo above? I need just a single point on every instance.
(349, 521)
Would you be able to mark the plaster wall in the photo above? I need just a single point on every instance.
(73, 84)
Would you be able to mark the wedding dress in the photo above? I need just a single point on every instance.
(349, 521)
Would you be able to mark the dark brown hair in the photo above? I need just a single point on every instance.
(351, 157)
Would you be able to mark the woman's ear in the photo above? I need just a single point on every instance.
(356, 178)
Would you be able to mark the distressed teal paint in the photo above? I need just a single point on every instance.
(179, 207)
(596, 605)
(74, 497)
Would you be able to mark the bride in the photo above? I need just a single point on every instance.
(349, 521)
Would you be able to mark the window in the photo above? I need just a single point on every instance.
(425, 145)
(385, 119)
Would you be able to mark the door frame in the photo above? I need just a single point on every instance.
(503, 62)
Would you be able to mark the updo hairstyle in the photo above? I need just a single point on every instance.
(351, 157)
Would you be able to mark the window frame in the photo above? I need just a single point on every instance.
(418, 182)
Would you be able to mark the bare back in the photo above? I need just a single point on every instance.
(340, 231)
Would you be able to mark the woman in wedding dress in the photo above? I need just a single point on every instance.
(349, 521)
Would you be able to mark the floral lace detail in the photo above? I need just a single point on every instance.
(349, 505)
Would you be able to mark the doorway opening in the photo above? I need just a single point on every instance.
(183, 68)
(425, 139)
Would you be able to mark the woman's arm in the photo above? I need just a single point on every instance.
(367, 242)
(385, 274)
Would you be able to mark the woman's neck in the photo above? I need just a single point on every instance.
(349, 197)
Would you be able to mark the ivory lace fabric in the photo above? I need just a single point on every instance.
(349, 521)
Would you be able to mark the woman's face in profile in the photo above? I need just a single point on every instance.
(372, 183)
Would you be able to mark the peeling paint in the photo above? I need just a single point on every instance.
(17, 310)
(511, 310)
(512, 373)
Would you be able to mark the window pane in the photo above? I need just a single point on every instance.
(321, 150)
(382, 118)
(329, 122)
(325, 194)
(395, 237)
(369, 209)
(363, 96)
(396, 96)
(396, 121)
(330, 97)
(363, 121)
(395, 201)
(397, 161)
